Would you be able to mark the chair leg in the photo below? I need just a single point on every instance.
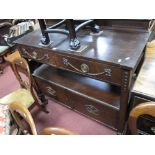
(43, 99)
(39, 93)
(1, 61)
(42, 107)
(1, 71)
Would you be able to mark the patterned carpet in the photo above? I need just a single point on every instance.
(58, 115)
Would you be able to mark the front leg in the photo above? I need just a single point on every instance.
(39, 93)
(42, 98)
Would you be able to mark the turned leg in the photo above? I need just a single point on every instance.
(45, 40)
(74, 42)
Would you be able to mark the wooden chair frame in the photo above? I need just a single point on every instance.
(147, 108)
(17, 110)
(57, 131)
(22, 63)
(31, 86)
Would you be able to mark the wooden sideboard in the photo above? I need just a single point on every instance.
(96, 80)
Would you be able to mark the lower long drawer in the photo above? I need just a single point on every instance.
(99, 111)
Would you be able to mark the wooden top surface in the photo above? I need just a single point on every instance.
(117, 46)
(145, 83)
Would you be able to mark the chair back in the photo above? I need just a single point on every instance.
(21, 114)
(21, 70)
(20, 65)
(147, 108)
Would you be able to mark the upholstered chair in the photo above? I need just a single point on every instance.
(26, 93)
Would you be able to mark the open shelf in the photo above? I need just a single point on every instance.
(101, 91)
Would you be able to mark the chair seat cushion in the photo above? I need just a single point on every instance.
(21, 95)
(10, 58)
(5, 119)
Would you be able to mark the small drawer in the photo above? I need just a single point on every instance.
(42, 56)
(96, 110)
(89, 68)
(53, 91)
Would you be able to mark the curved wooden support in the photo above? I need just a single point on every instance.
(57, 131)
(147, 108)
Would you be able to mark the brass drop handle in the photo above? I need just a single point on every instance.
(85, 69)
(35, 55)
(51, 91)
(92, 109)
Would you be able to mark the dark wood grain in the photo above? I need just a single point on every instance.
(118, 47)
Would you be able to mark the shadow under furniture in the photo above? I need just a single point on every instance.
(95, 81)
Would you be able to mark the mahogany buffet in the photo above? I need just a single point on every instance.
(95, 78)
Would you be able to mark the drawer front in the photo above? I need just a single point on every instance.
(53, 91)
(94, 109)
(89, 68)
(42, 56)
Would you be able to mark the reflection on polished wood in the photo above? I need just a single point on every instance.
(110, 46)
